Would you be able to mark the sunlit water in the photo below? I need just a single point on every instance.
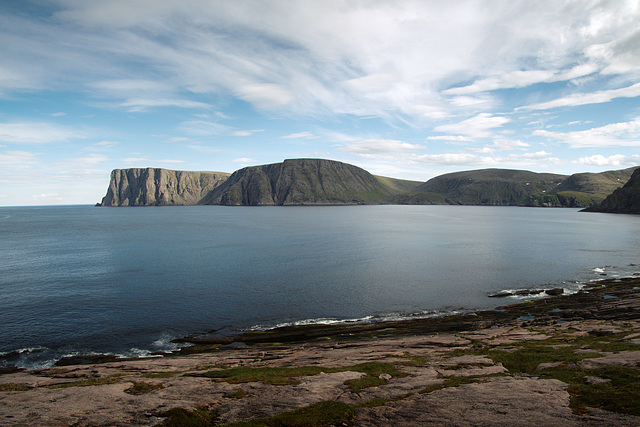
(128, 280)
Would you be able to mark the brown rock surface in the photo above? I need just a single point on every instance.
(449, 378)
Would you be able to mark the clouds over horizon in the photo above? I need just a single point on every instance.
(426, 84)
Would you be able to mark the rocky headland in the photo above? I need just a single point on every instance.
(160, 187)
(328, 182)
(566, 360)
(305, 182)
(624, 200)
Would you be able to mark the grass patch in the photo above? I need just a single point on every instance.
(328, 413)
(14, 387)
(527, 359)
(379, 401)
(180, 417)
(287, 375)
(454, 382)
(140, 387)
(86, 383)
(415, 361)
(620, 394)
(373, 372)
(266, 375)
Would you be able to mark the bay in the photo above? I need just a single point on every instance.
(126, 281)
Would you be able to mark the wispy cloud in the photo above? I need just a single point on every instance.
(378, 147)
(522, 78)
(597, 97)
(623, 134)
(300, 135)
(245, 132)
(37, 133)
(244, 160)
(615, 160)
(479, 126)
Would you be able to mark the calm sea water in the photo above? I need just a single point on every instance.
(85, 280)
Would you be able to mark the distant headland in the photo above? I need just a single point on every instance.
(328, 182)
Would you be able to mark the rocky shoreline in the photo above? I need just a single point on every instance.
(568, 359)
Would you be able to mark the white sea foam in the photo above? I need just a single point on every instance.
(387, 317)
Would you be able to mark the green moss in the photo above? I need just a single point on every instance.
(266, 375)
(287, 375)
(86, 383)
(455, 381)
(14, 387)
(140, 387)
(328, 413)
(180, 417)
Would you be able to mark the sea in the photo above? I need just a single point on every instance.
(84, 280)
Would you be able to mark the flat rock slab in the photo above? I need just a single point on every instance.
(503, 401)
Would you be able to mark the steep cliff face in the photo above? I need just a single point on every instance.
(305, 182)
(159, 187)
(623, 200)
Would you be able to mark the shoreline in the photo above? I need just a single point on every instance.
(568, 306)
(542, 362)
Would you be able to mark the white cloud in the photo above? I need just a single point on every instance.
(107, 144)
(141, 104)
(450, 138)
(624, 134)
(386, 59)
(48, 196)
(300, 135)
(465, 159)
(204, 128)
(265, 96)
(509, 144)
(36, 133)
(479, 126)
(522, 78)
(17, 159)
(380, 147)
(245, 132)
(245, 160)
(614, 160)
(598, 97)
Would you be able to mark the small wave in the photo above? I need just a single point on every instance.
(378, 318)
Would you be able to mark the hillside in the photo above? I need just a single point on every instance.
(622, 200)
(505, 187)
(328, 182)
(305, 182)
(159, 187)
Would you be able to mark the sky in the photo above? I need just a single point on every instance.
(406, 89)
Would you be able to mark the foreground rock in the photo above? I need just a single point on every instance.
(497, 370)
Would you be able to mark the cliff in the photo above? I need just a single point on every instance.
(305, 182)
(623, 200)
(504, 187)
(159, 187)
(328, 182)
